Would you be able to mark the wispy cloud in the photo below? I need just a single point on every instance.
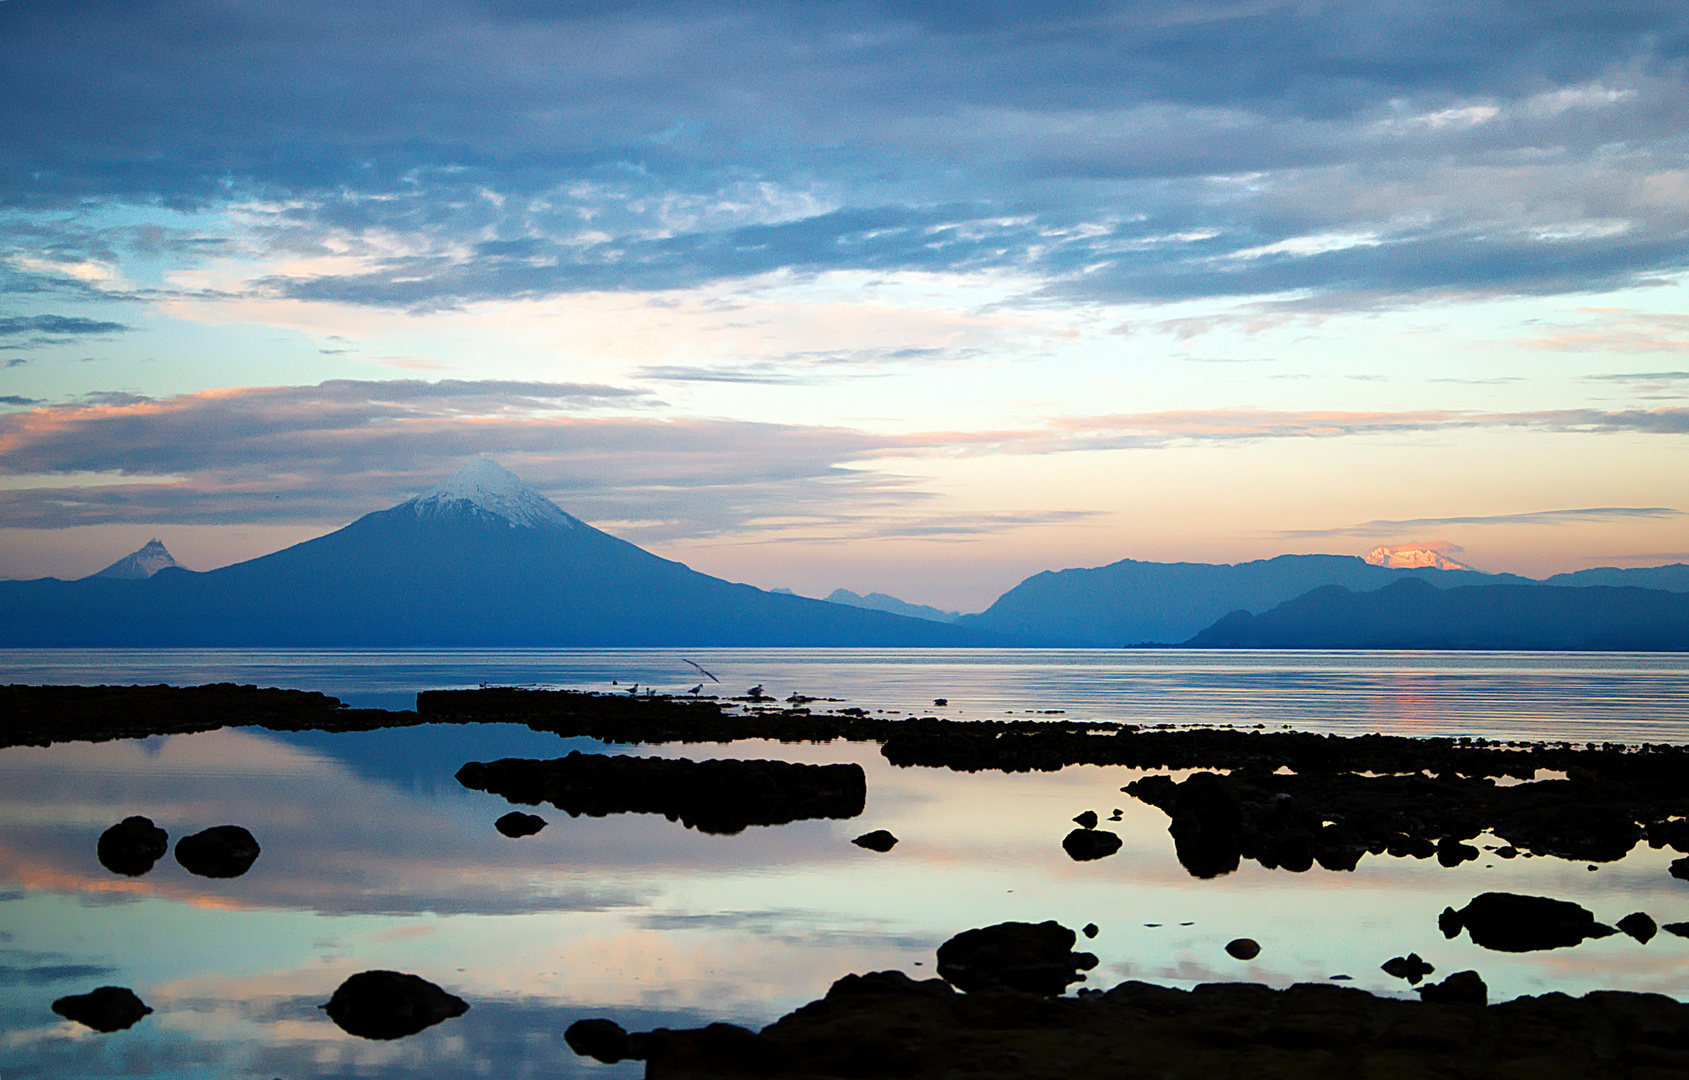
(1537, 517)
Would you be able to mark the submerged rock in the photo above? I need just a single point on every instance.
(1083, 845)
(132, 846)
(390, 1005)
(108, 1009)
(222, 851)
(1037, 958)
(1510, 922)
(517, 824)
(878, 840)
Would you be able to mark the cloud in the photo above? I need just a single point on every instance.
(13, 399)
(1538, 517)
(1117, 153)
(51, 329)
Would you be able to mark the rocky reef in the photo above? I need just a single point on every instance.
(722, 796)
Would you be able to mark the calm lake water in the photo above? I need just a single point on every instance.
(374, 857)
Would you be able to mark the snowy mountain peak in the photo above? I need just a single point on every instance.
(488, 488)
(143, 563)
(1413, 557)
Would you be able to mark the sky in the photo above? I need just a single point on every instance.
(910, 297)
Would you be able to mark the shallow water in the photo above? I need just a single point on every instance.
(374, 857)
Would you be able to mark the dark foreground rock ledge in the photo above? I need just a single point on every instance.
(886, 1024)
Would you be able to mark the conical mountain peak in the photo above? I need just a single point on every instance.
(144, 562)
(484, 487)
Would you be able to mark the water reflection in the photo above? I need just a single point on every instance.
(374, 858)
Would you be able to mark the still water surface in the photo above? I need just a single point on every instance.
(374, 857)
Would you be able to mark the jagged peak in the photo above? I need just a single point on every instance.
(486, 486)
(1415, 557)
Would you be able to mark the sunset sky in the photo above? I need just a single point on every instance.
(916, 297)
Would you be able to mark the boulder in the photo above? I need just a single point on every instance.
(878, 840)
(601, 1040)
(517, 824)
(1510, 922)
(390, 1005)
(1680, 868)
(1243, 948)
(1035, 958)
(132, 846)
(1086, 820)
(1411, 967)
(1461, 988)
(1639, 926)
(1083, 845)
(110, 1008)
(222, 851)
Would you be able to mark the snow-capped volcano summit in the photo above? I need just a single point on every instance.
(144, 562)
(485, 488)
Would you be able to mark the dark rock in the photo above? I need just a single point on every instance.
(1461, 988)
(720, 796)
(1087, 820)
(1083, 845)
(1449, 923)
(1681, 929)
(1673, 834)
(1639, 926)
(1207, 819)
(1243, 948)
(1451, 852)
(1680, 868)
(390, 1005)
(1036, 958)
(940, 702)
(878, 840)
(110, 1008)
(516, 824)
(222, 851)
(1089, 930)
(601, 1040)
(1410, 967)
(1510, 922)
(132, 846)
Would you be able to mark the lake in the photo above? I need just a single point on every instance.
(375, 857)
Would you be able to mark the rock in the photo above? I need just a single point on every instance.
(110, 1008)
(132, 846)
(1036, 958)
(1449, 923)
(878, 840)
(1207, 814)
(1639, 926)
(1680, 868)
(940, 702)
(1681, 929)
(1451, 852)
(516, 824)
(1410, 967)
(1083, 845)
(1510, 922)
(1089, 930)
(1461, 988)
(390, 1005)
(222, 851)
(1087, 820)
(601, 1040)
(1243, 948)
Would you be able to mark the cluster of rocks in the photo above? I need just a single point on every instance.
(1295, 820)
(885, 1024)
(134, 845)
(720, 796)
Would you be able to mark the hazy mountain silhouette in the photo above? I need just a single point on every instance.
(879, 601)
(480, 560)
(1413, 614)
(1132, 602)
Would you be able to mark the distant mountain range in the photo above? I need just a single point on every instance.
(480, 560)
(1413, 614)
(484, 560)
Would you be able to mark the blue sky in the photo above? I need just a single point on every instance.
(910, 297)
